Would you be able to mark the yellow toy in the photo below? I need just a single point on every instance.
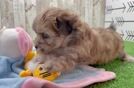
(38, 72)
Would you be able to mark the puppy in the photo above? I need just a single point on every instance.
(64, 41)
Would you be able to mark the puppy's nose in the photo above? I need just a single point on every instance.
(36, 46)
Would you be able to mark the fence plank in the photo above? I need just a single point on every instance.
(19, 13)
(89, 11)
(30, 13)
(6, 13)
(98, 13)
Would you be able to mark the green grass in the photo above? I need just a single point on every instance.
(124, 72)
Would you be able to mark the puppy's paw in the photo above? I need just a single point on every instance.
(52, 66)
(52, 63)
(129, 58)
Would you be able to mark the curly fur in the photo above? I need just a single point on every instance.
(64, 41)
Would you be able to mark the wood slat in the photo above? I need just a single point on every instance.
(30, 13)
(19, 13)
(7, 18)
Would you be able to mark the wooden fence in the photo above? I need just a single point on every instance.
(22, 12)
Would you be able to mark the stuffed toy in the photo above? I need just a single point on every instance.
(14, 42)
(17, 44)
(38, 72)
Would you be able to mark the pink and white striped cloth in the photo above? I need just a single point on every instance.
(82, 76)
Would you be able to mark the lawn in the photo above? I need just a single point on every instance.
(124, 72)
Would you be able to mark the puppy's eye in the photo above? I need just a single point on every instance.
(44, 35)
(40, 68)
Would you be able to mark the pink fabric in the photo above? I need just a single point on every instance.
(24, 41)
(38, 83)
(101, 77)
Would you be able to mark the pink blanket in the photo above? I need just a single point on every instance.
(82, 76)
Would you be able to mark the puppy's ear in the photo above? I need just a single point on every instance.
(58, 23)
(64, 26)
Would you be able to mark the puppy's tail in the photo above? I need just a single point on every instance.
(112, 26)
